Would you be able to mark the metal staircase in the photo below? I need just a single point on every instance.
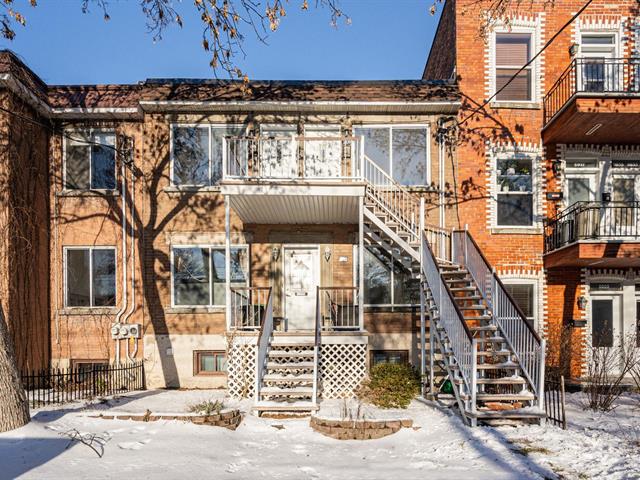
(478, 337)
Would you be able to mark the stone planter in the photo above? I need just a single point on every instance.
(230, 419)
(358, 429)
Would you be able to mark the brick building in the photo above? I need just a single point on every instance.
(552, 160)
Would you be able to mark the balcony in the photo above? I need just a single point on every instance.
(589, 234)
(293, 179)
(594, 101)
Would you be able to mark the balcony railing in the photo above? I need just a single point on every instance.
(592, 76)
(593, 221)
(338, 308)
(292, 158)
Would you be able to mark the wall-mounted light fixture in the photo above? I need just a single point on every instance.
(327, 254)
(573, 49)
(556, 167)
(582, 302)
(275, 253)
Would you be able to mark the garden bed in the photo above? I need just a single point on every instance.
(230, 419)
(358, 429)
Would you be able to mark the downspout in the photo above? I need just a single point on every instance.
(124, 256)
(132, 256)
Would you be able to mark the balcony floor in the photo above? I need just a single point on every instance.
(598, 254)
(295, 202)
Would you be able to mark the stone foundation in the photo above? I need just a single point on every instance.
(229, 419)
(358, 429)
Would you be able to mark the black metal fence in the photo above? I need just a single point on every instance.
(593, 221)
(592, 76)
(554, 401)
(61, 385)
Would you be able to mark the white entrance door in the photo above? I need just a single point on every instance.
(301, 277)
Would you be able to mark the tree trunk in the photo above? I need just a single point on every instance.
(15, 409)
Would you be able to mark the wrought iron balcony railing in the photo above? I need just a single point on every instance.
(592, 76)
(593, 221)
(292, 157)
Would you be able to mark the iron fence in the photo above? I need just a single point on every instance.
(62, 385)
(554, 402)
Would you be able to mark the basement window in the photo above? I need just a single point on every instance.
(199, 275)
(209, 362)
(90, 276)
(389, 356)
(90, 160)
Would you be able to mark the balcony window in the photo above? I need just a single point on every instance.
(278, 151)
(515, 191)
(322, 158)
(90, 277)
(90, 161)
(197, 153)
(199, 274)
(513, 51)
(599, 72)
(399, 151)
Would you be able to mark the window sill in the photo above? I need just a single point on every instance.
(71, 311)
(516, 105)
(191, 189)
(516, 231)
(88, 193)
(196, 310)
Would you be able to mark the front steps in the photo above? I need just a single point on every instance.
(287, 383)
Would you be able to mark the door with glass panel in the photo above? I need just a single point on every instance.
(322, 152)
(583, 215)
(598, 71)
(607, 328)
(278, 151)
(623, 214)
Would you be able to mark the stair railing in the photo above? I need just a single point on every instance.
(316, 345)
(394, 198)
(527, 346)
(461, 341)
(264, 339)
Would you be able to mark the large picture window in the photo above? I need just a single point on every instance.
(90, 277)
(402, 152)
(90, 160)
(514, 178)
(199, 274)
(197, 153)
(388, 281)
(513, 51)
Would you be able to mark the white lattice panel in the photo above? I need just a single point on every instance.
(342, 369)
(241, 370)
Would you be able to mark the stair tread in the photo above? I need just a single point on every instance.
(497, 366)
(486, 328)
(502, 381)
(305, 377)
(273, 405)
(279, 343)
(287, 365)
(277, 353)
(487, 397)
(278, 390)
(513, 413)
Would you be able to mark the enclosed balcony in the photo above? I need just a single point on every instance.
(595, 100)
(294, 179)
(594, 234)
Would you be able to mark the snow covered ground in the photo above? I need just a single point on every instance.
(439, 445)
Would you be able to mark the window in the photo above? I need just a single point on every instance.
(389, 356)
(515, 191)
(85, 368)
(199, 274)
(197, 153)
(513, 51)
(90, 161)
(524, 295)
(599, 73)
(400, 151)
(90, 277)
(209, 362)
(602, 323)
(389, 282)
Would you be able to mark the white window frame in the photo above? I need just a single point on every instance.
(65, 275)
(515, 154)
(89, 132)
(210, 247)
(526, 281)
(403, 126)
(532, 31)
(210, 128)
(378, 305)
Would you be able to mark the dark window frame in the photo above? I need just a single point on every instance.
(90, 250)
(75, 137)
(198, 372)
(403, 353)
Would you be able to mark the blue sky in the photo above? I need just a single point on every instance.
(387, 39)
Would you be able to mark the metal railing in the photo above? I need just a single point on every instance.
(264, 340)
(440, 241)
(592, 76)
(527, 346)
(338, 308)
(248, 305)
(291, 157)
(451, 319)
(316, 348)
(593, 221)
(401, 205)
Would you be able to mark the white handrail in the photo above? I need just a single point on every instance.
(264, 340)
